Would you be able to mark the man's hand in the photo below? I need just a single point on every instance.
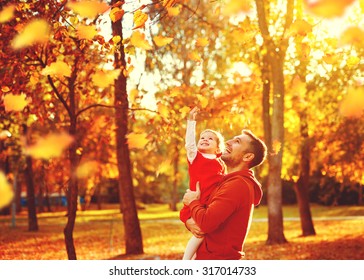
(191, 195)
(194, 228)
(193, 113)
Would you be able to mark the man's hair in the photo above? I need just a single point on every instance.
(259, 149)
(220, 139)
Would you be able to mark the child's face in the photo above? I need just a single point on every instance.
(208, 143)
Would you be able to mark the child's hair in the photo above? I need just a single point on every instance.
(220, 139)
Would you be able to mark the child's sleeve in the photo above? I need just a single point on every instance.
(191, 140)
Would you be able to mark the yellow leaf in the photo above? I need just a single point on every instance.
(184, 111)
(163, 110)
(164, 167)
(138, 40)
(5, 134)
(137, 140)
(133, 94)
(140, 19)
(87, 169)
(116, 39)
(233, 7)
(15, 102)
(299, 27)
(7, 13)
(6, 191)
(174, 11)
(58, 68)
(276, 146)
(204, 101)
(86, 32)
(104, 79)
(328, 8)
(353, 60)
(50, 146)
(116, 14)
(242, 36)
(36, 31)
(161, 41)
(202, 42)
(195, 56)
(353, 104)
(352, 36)
(88, 8)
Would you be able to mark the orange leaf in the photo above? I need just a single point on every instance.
(58, 68)
(161, 41)
(276, 146)
(50, 146)
(168, 3)
(233, 7)
(174, 11)
(36, 31)
(87, 169)
(88, 8)
(140, 19)
(5, 134)
(86, 32)
(352, 36)
(202, 42)
(353, 104)
(104, 79)
(116, 14)
(15, 102)
(7, 13)
(299, 27)
(6, 191)
(137, 140)
(195, 56)
(138, 40)
(328, 8)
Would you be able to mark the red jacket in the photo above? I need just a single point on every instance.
(209, 173)
(227, 216)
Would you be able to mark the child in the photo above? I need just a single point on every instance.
(204, 166)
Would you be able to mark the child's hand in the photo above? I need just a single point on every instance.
(193, 113)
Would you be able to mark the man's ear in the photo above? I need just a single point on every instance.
(248, 157)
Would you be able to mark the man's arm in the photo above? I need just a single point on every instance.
(223, 203)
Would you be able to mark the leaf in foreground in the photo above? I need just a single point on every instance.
(6, 191)
(15, 102)
(50, 146)
(7, 13)
(137, 140)
(36, 31)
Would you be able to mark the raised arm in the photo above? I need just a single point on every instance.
(191, 146)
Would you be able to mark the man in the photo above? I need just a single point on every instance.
(224, 222)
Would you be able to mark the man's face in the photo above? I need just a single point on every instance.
(237, 150)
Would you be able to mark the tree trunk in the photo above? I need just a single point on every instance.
(29, 181)
(174, 196)
(133, 236)
(303, 182)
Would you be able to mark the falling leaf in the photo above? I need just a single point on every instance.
(353, 104)
(140, 19)
(174, 11)
(137, 140)
(36, 31)
(276, 147)
(161, 41)
(58, 68)
(195, 56)
(352, 36)
(116, 14)
(202, 42)
(116, 39)
(105, 78)
(204, 101)
(15, 102)
(299, 27)
(86, 32)
(328, 8)
(242, 36)
(138, 40)
(89, 9)
(7, 13)
(87, 169)
(163, 110)
(6, 191)
(164, 167)
(49, 146)
(233, 7)
(184, 111)
(133, 94)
